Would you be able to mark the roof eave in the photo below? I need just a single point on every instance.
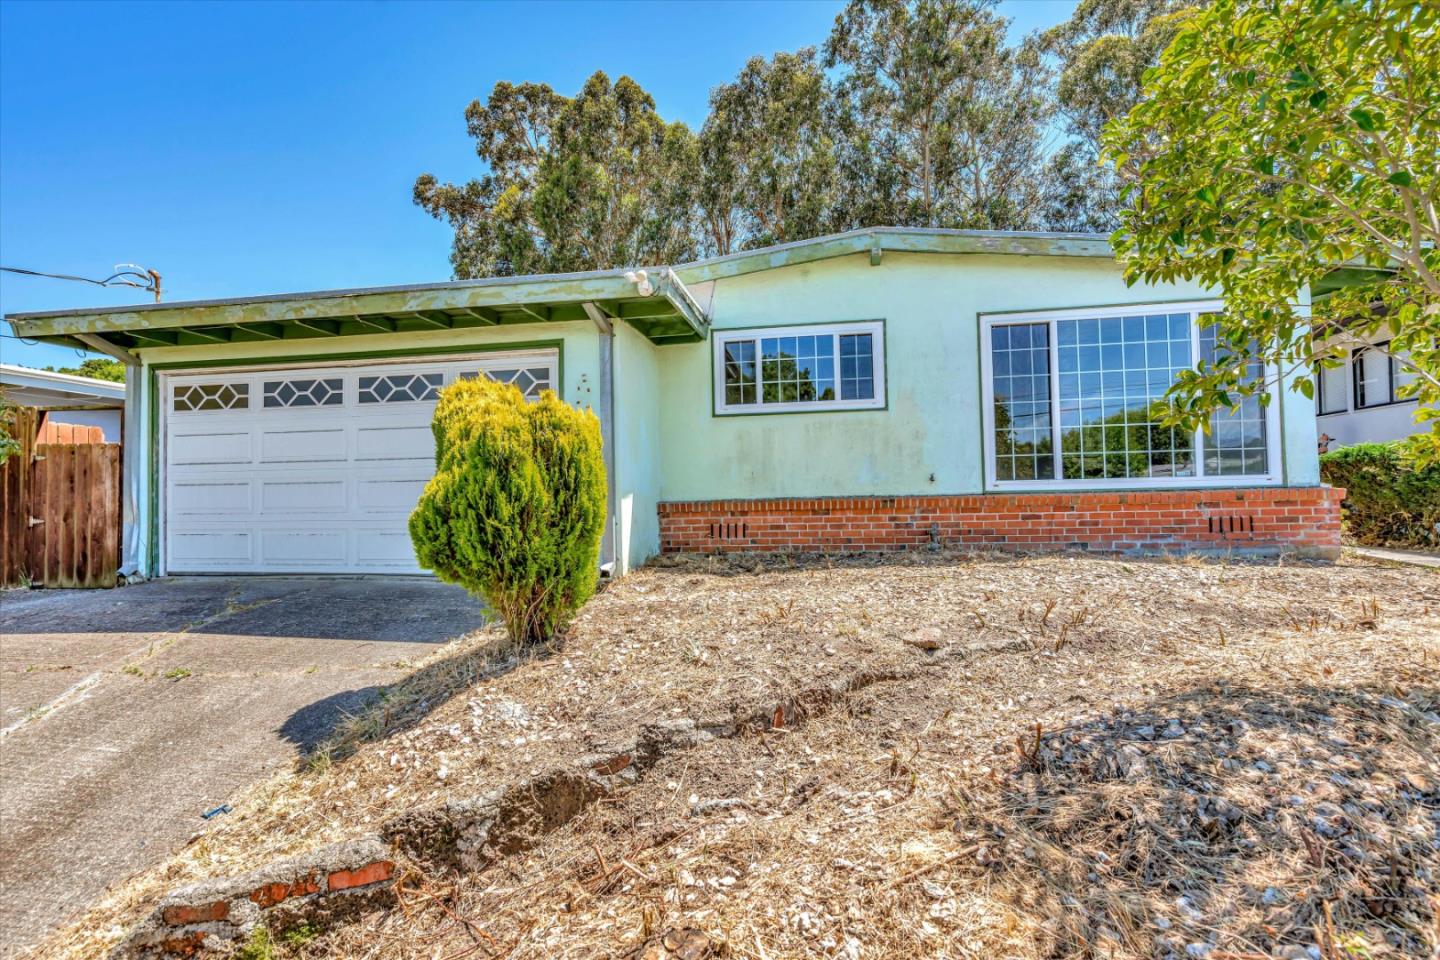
(878, 240)
(668, 310)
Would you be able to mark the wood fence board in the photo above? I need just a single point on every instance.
(74, 489)
(15, 488)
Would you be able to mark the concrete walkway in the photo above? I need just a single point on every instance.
(106, 762)
(1401, 556)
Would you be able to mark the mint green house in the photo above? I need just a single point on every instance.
(879, 389)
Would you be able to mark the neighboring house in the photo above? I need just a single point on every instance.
(65, 400)
(875, 389)
(1359, 401)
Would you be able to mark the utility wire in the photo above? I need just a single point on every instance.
(125, 275)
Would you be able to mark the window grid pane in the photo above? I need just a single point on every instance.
(1372, 381)
(212, 396)
(857, 367)
(305, 392)
(1236, 443)
(1332, 389)
(1024, 441)
(400, 387)
(1402, 373)
(1114, 372)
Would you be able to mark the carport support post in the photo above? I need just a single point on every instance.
(606, 331)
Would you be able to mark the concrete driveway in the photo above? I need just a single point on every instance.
(106, 764)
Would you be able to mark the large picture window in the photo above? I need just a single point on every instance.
(798, 369)
(1076, 399)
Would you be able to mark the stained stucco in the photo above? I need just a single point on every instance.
(928, 438)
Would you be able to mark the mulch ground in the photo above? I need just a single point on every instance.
(1094, 756)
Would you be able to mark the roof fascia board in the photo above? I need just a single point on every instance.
(576, 288)
(62, 383)
(899, 240)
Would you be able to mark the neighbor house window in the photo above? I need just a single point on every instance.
(1076, 398)
(797, 369)
(1331, 395)
(1379, 375)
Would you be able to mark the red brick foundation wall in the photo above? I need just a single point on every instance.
(1304, 520)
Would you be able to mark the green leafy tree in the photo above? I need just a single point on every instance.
(1101, 54)
(768, 157)
(516, 509)
(944, 123)
(1279, 141)
(9, 443)
(590, 182)
(97, 368)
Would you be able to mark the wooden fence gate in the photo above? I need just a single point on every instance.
(61, 520)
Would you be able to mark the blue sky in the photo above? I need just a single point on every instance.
(255, 147)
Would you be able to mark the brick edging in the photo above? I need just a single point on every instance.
(330, 882)
(1253, 519)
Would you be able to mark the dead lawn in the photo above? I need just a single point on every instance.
(1103, 757)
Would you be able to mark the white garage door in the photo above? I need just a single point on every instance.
(311, 470)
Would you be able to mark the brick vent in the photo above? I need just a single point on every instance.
(1262, 519)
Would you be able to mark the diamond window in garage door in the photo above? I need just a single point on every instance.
(531, 380)
(309, 392)
(212, 396)
(400, 387)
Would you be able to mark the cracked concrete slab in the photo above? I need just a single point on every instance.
(115, 775)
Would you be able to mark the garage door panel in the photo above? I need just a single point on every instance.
(303, 496)
(309, 470)
(211, 446)
(389, 494)
(387, 548)
(211, 546)
(225, 498)
(293, 549)
(326, 445)
(409, 442)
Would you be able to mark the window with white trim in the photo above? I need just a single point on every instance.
(802, 368)
(1075, 398)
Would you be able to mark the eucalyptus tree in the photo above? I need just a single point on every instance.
(1100, 55)
(590, 182)
(768, 158)
(945, 122)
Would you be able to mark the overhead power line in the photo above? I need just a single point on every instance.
(125, 275)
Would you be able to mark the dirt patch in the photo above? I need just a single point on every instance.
(860, 834)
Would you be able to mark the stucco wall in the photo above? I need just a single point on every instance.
(928, 439)
(579, 360)
(1394, 421)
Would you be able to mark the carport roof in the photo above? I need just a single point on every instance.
(657, 304)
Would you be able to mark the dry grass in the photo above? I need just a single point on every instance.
(911, 823)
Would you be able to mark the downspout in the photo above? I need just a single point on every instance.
(130, 451)
(605, 330)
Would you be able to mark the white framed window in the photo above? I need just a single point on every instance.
(1073, 399)
(797, 369)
